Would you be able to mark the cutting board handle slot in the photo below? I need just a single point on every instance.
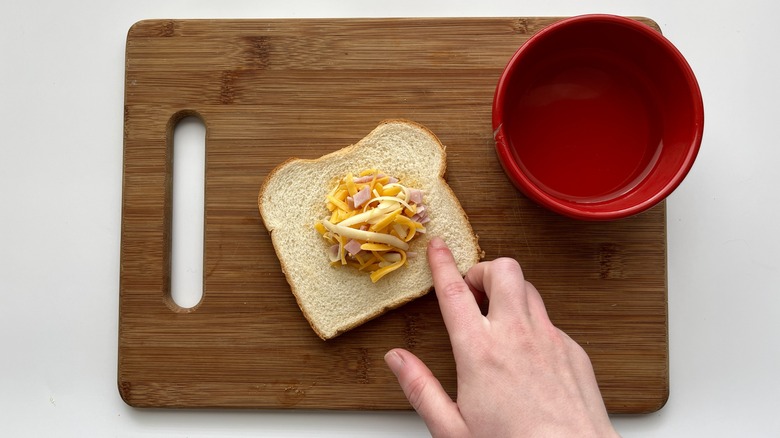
(186, 142)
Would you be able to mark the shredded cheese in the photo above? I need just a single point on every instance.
(375, 236)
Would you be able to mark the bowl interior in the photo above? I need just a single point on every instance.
(599, 115)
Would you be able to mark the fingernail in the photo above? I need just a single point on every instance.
(394, 361)
(437, 242)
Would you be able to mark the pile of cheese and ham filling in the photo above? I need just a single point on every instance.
(373, 219)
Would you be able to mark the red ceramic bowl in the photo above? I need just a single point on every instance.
(597, 117)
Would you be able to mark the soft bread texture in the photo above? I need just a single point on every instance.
(292, 200)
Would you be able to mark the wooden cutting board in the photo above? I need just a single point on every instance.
(268, 90)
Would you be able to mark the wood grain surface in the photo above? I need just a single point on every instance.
(268, 90)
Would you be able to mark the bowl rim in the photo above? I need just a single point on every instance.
(588, 211)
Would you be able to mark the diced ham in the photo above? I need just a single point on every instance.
(363, 179)
(361, 197)
(393, 180)
(420, 215)
(350, 202)
(421, 218)
(369, 178)
(415, 196)
(352, 247)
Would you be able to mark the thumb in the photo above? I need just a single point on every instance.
(425, 394)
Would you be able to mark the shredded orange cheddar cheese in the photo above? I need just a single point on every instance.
(372, 236)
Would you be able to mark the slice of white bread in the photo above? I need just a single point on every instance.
(292, 200)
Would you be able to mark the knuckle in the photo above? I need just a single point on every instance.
(505, 264)
(573, 349)
(453, 289)
(415, 392)
(580, 355)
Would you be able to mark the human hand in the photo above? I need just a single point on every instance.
(518, 375)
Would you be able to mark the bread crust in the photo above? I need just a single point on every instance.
(268, 208)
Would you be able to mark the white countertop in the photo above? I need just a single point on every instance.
(61, 97)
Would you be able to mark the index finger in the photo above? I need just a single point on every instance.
(458, 306)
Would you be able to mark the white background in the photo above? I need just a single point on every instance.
(61, 97)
